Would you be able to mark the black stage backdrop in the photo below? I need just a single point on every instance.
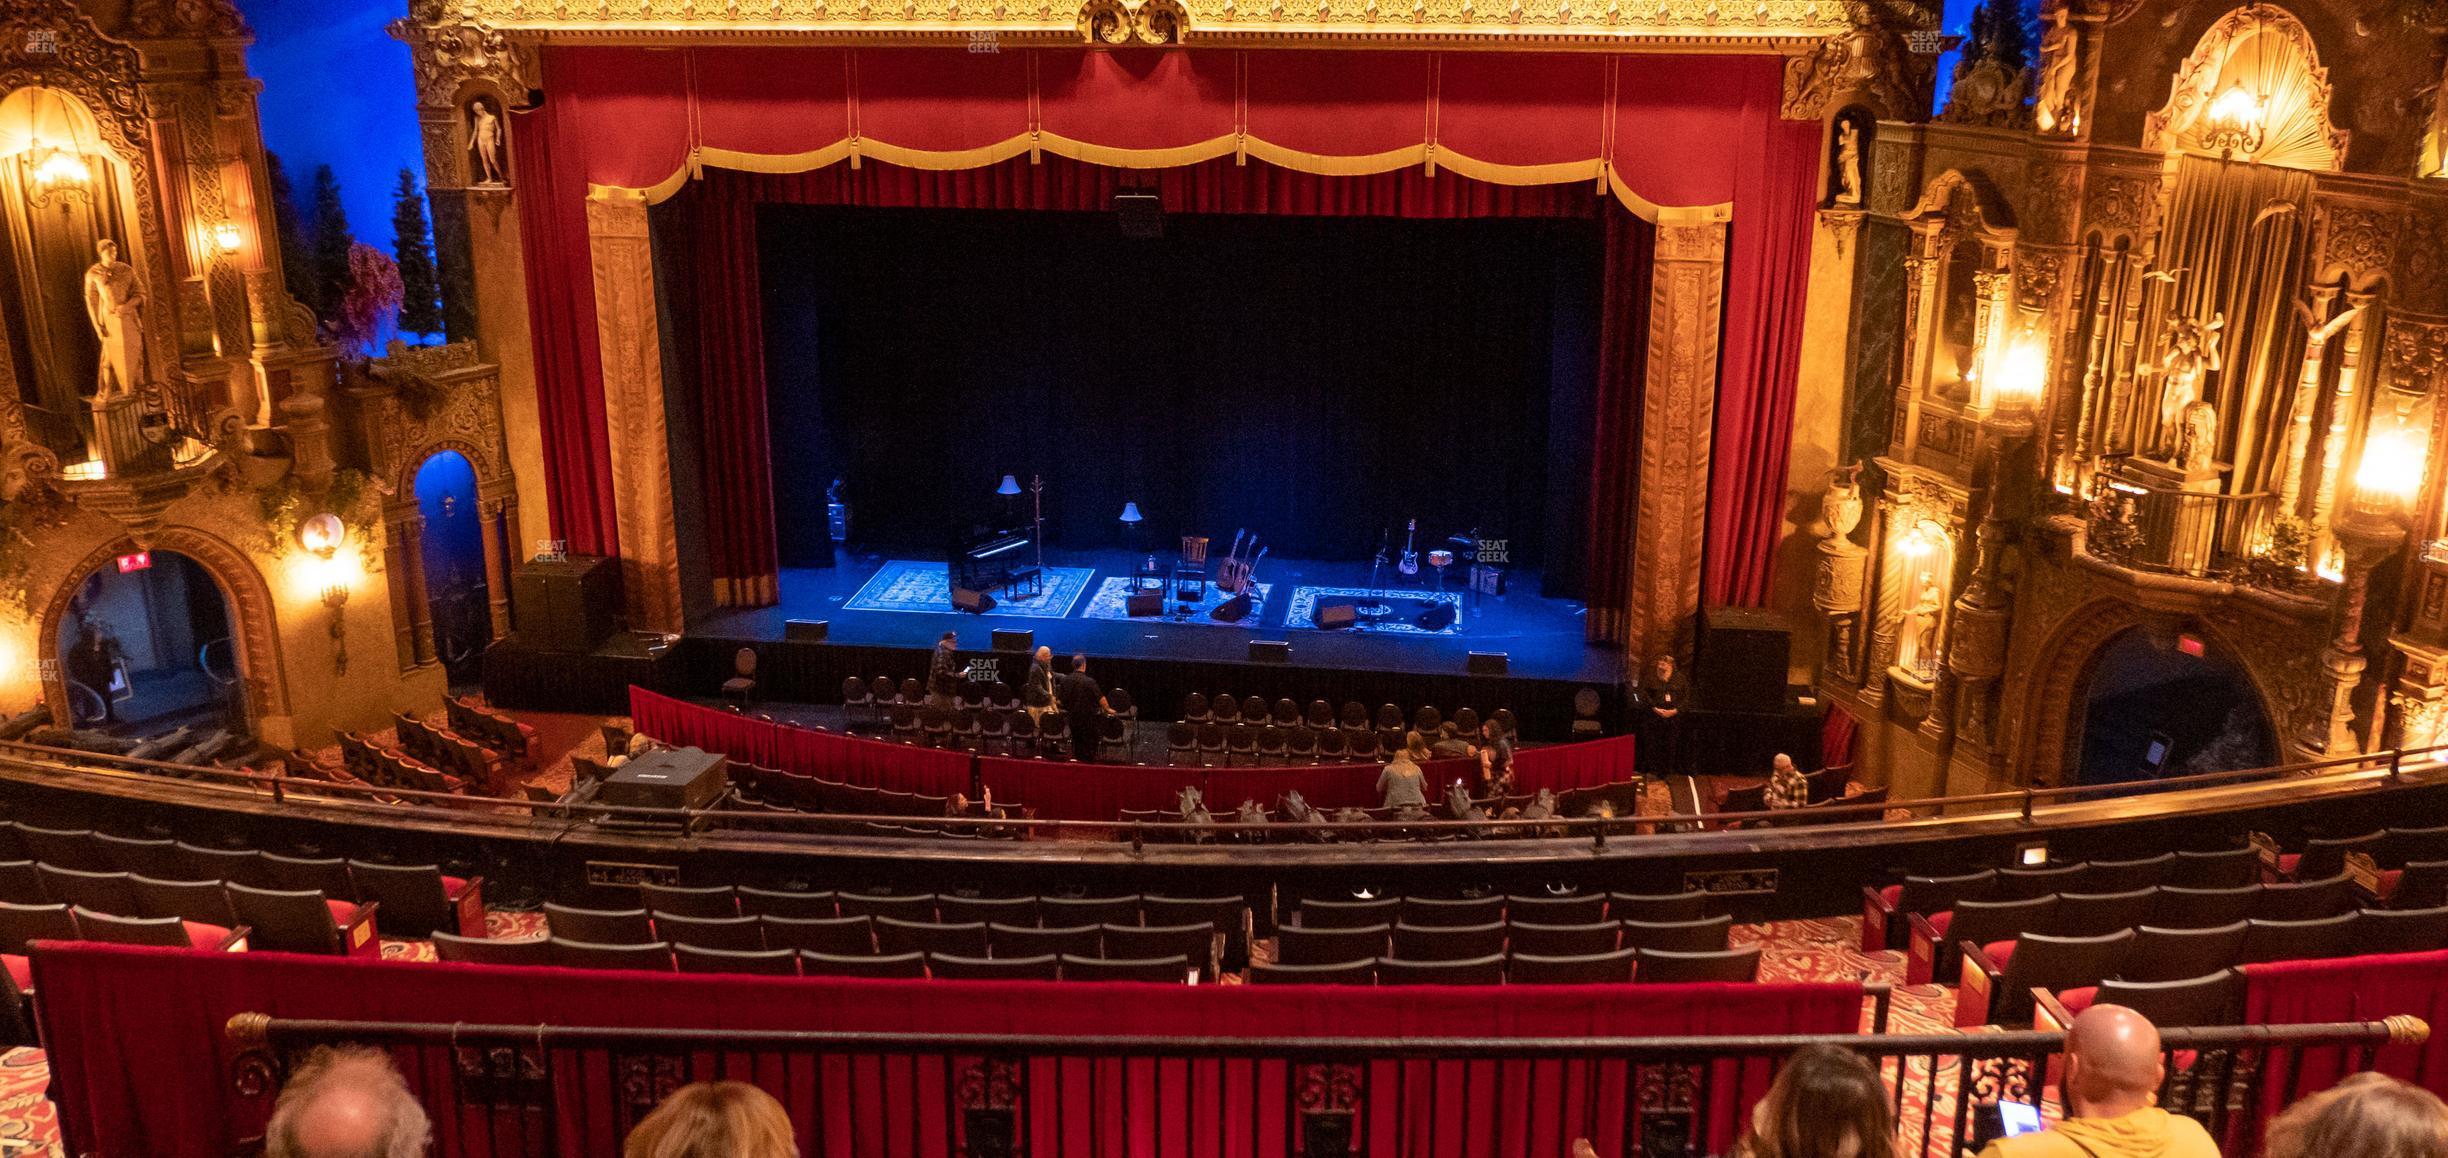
(1315, 379)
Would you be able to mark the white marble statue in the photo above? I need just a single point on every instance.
(114, 301)
(2053, 106)
(2192, 351)
(1917, 642)
(485, 144)
(1848, 162)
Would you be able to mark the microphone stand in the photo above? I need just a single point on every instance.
(1376, 572)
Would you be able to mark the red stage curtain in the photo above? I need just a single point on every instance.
(1767, 284)
(1562, 767)
(141, 1064)
(1623, 367)
(1836, 734)
(738, 491)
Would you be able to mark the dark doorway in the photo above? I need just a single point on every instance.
(452, 544)
(2170, 705)
(146, 647)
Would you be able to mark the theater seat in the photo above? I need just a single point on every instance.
(305, 921)
(164, 932)
(20, 971)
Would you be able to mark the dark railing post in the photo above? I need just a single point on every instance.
(2027, 805)
(2396, 762)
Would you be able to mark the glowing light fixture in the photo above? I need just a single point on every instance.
(1011, 486)
(55, 168)
(2019, 376)
(1130, 512)
(2391, 470)
(322, 534)
(226, 236)
(2235, 120)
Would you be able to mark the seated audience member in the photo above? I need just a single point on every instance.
(2112, 1073)
(1787, 787)
(2366, 1116)
(347, 1102)
(1827, 1102)
(1449, 743)
(1401, 783)
(714, 1120)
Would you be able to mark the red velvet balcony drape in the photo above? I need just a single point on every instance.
(2342, 989)
(1700, 134)
(141, 1064)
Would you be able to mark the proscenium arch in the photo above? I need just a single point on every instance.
(262, 689)
(2066, 664)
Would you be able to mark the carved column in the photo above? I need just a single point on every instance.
(631, 342)
(2342, 407)
(2364, 541)
(1678, 417)
(420, 596)
(399, 551)
(495, 524)
(2307, 398)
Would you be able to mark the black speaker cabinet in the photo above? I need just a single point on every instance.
(566, 605)
(1142, 604)
(1270, 651)
(1014, 639)
(806, 630)
(1741, 662)
(1488, 663)
(1336, 616)
(1438, 617)
(973, 602)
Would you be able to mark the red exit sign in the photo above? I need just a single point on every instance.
(140, 561)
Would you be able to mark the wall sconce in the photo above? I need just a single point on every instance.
(335, 597)
(2235, 119)
(59, 174)
(2390, 473)
(226, 236)
(2018, 377)
(322, 534)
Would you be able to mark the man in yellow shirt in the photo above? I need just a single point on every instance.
(2112, 1074)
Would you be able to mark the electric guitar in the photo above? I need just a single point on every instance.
(1410, 556)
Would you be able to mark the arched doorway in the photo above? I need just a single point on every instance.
(146, 646)
(2170, 704)
(450, 543)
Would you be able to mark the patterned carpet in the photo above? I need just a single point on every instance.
(1108, 603)
(1404, 607)
(908, 585)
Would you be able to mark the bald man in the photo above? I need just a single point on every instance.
(2112, 1073)
(347, 1103)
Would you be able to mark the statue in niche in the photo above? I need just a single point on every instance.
(2192, 351)
(2059, 45)
(1848, 162)
(114, 302)
(486, 151)
(2197, 439)
(1917, 642)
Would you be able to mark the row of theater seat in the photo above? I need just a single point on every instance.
(998, 731)
(490, 728)
(387, 766)
(1321, 716)
(448, 750)
(665, 957)
(1931, 952)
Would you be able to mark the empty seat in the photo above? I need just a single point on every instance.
(653, 956)
(418, 899)
(679, 901)
(2422, 884)
(2015, 884)
(986, 910)
(1164, 970)
(1072, 912)
(220, 864)
(204, 901)
(1665, 965)
(1979, 922)
(2181, 907)
(1330, 973)
(1456, 943)
(2325, 856)
(599, 926)
(111, 892)
(21, 925)
(2212, 999)
(2402, 846)
(1424, 912)
(737, 934)
(1024, 941)
(2401, 930)
(20, 884)
(2091, 914)
(1582, 969)
(304, 921)
(2118, 876)
(1884, 910)
(1488, 970)
(1043, 967)
(2000, 993)
(1703, 936)
(2162, 954)
(1300, 945)
(69, 848)
(1193, 941)
(158, 859)
(326, 875)
(1657, 908)
(2223, 869)
(839, 936)
(1229, 915)
(904, 965)
(1579, 909)
(1563, 940)
(166, 932)
(1349, 914)
(914, 907)
(2297, 940)
(765, 962)
(781, 903)
(492, 951)
(895, 936)
(2305, 900)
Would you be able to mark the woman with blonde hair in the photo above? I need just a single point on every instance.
(1402, 784)
(2366, 1116)
(1826, 1102)
(714, 1120)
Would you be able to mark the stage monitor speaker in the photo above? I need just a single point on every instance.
(1335, 616)
(1144, 604)
(1488, 663)
(1741, 662)
(1141, 215)
(1014, 639)
(806, 630)
(566, 605)
(1438, 617)
(973, 602)
(1233, 610)
(1270, 651)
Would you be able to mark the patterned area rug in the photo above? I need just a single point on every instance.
(1108, 603)
(1401, 611)
(909, 585)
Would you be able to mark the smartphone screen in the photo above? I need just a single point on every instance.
(2017, 1117)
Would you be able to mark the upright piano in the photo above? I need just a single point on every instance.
(994, 558)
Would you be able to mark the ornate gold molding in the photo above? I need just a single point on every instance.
(1678, 420)
(633, 409)
(448, 53)
(1543, 25)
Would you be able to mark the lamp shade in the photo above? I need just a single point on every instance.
(1130, 512)
(1011, 486)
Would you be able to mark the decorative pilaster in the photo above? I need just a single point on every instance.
(499, 522)
(632, 356)
(1678, 417)
(398, 552)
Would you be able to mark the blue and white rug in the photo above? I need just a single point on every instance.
(1400, 608)
(1108, 603)
(911, 585)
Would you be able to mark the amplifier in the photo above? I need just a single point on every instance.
(566, 605)
(1741, 660)
(973, 602)
(1014, 639)
(1270, 650)
(668, 778)
(806, 630)
(1144, 604)
(1336, 616)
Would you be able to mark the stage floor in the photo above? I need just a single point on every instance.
(872, 598)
